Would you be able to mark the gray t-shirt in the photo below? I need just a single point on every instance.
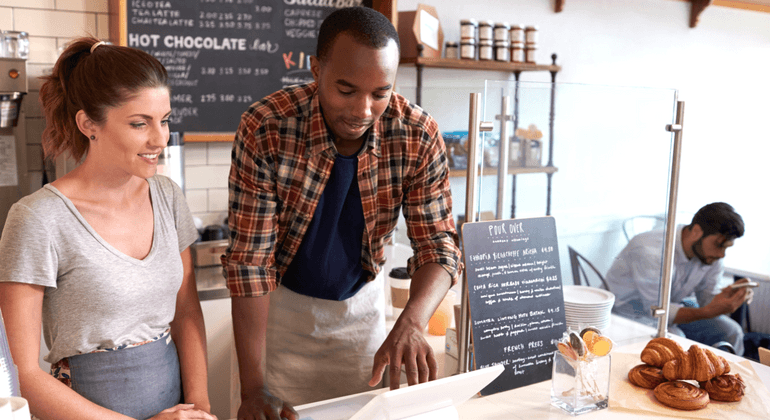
(96, 297)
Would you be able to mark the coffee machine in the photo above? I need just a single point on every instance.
(14, 181)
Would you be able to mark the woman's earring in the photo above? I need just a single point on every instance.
(93, 137)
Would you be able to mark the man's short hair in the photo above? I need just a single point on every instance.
(719, 218)
(367, 26)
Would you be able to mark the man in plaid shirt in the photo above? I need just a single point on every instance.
(319, 175)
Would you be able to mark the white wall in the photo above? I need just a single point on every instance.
(719, 68)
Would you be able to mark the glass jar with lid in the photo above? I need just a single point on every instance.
(517, 33)
(468, 49)
(486, 51)
(451, 50)
(517, 52)
(530, 51)
(530, 34)
(486, 30)
(502, 30)
(468, 28)
(502, 51)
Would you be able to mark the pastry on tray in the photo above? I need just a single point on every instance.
(646, 376)
(697, 364)
(726, 388)
(661, 350)
(681, 395)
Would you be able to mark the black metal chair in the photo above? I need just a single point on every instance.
(579, 275)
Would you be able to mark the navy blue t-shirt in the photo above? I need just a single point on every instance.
(328, 262)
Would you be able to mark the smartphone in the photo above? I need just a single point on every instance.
(744, 284)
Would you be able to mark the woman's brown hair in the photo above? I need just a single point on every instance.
(92, 81)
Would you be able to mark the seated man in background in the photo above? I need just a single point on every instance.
(635, 275)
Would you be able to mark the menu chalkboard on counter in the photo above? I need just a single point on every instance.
(515, 296)
(224, 55)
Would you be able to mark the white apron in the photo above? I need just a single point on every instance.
(319, 349)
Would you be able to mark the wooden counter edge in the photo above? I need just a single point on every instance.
(208, 137)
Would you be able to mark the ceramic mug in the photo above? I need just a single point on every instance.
(14, 408)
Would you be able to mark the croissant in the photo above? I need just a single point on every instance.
(661, 350)
(727, 388)
(698, 364)
(646, 376)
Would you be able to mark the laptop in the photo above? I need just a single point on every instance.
(427, 401)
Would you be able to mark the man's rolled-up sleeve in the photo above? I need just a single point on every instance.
(249, 263)
(428, 213)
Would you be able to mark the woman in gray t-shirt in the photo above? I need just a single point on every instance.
(100, 257)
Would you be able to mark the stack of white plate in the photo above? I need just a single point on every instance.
(9, 378)
(587, 307)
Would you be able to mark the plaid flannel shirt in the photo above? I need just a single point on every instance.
(282, 158)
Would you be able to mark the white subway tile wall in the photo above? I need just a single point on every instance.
(54, 23)
(219, 153)
(207, 166)
(6, 17)
(30, 4)
(82, 5)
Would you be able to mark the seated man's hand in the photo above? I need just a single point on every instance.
(264, 405)
(749, 291)
(728, 301)
(405, 345)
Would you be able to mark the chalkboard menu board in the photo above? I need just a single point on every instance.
(224, 55)
(515, 296)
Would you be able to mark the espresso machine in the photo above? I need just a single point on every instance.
(14, 181)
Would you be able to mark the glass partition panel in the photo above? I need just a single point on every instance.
(597, 159)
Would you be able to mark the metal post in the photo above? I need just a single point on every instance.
(502, 165)
(551, 116)
(661, 312)
(474, 127)
(521, 149)
(418, 67)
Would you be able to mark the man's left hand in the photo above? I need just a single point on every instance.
(406, 346)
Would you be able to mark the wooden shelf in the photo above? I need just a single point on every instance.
(456, 63)
(454, 173)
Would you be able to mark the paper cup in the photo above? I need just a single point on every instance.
(399, 293)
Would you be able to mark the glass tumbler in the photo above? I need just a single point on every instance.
(579, 387)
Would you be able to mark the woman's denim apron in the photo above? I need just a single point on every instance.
(137, 381)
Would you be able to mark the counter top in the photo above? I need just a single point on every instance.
(533, 401)
(211, 283)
